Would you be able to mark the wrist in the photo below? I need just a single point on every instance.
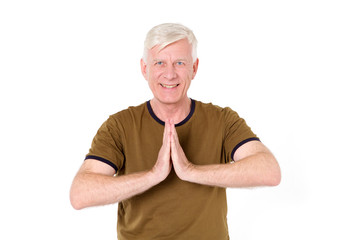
(187, 173)
(156, 176)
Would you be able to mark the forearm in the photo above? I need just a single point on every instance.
(95, 184)
(93, 189)
(257, 170)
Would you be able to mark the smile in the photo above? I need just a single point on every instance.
(169, 86)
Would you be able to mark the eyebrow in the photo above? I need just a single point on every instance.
(176, 60)
(156, 60)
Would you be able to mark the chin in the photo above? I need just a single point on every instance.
(169, 100)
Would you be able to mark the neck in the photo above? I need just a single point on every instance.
(176, 111)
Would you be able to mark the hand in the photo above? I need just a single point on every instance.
(163, 165)
(181, 165)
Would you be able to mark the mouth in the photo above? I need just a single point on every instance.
(169, 86)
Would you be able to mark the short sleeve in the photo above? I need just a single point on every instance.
(236, 133)
(107, 145)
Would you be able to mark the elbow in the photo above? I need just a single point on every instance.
(79, 193)
(75, 201)
(275, 177)
(76, 198)
(272, 174)
(274, 180)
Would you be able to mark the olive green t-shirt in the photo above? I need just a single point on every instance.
(130, 140)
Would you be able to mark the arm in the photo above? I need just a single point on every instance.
(255, 166)
(95, 183)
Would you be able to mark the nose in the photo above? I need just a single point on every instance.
(169, 72)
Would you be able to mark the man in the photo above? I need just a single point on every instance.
(171, 155)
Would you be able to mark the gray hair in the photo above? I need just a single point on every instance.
(167, 33)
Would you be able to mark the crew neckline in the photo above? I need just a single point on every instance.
(153, 115)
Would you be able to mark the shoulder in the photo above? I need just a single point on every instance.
(224, 113)
(129, 113)
(124, 117)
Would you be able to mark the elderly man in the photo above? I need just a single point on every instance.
(168, 161)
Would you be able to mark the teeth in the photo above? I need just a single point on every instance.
(169, 86)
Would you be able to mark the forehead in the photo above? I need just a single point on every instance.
(178, 49)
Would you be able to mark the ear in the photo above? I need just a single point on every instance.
(143, 68)
(195, 68)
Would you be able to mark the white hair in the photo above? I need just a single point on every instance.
(167, 33)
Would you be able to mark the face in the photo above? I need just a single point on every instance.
(169, 71)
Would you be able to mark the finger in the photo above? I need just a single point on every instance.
(174, 141)
(175, 134)
(166, 131)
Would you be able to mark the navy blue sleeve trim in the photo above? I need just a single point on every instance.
(102, 160)
(241, 143)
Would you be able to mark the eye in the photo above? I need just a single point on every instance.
(180, 63)
(159, 63)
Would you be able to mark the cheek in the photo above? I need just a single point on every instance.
(186, 75)
(154, 75)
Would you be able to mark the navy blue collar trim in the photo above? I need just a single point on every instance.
(193, 106)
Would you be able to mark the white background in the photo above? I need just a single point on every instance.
(66, 65)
